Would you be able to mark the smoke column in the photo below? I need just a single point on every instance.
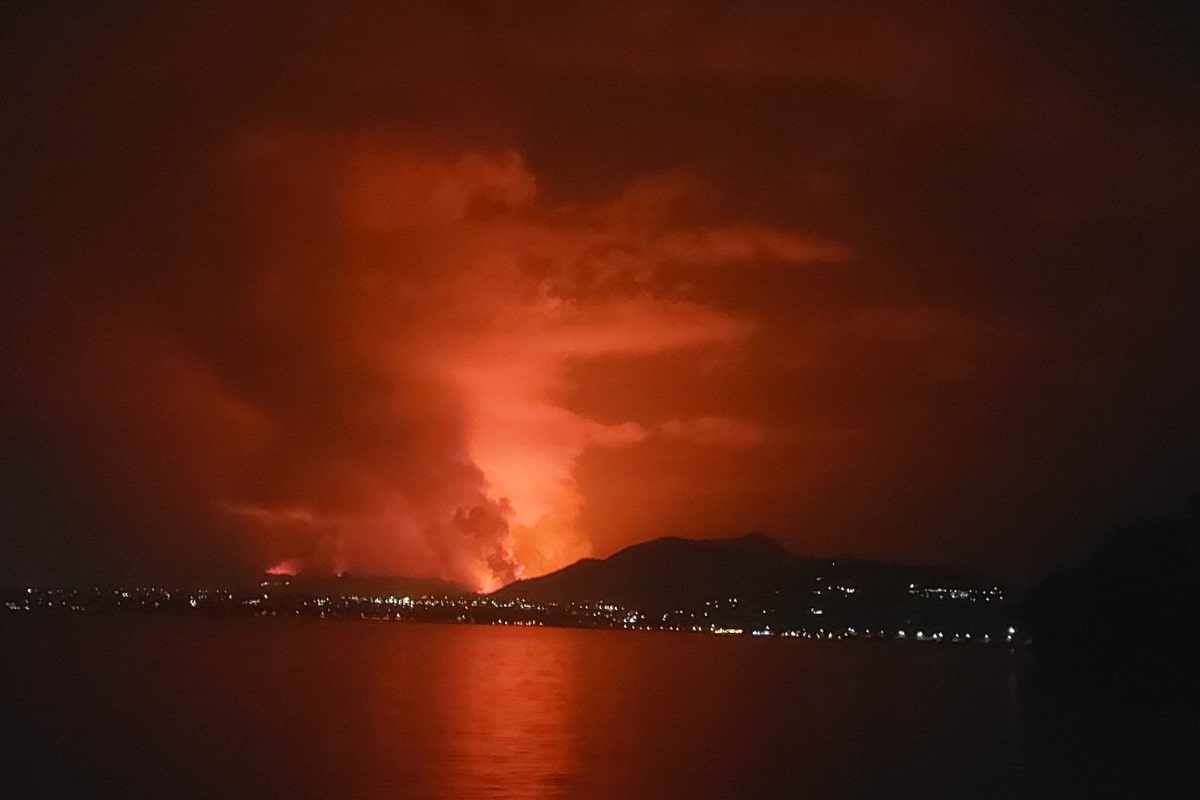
(435, 302)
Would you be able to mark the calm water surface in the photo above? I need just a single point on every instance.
(144, 706)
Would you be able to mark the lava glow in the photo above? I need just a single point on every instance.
(462, 298)
(471, 290)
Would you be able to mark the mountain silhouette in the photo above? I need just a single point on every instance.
(667, 572)
(671, 572)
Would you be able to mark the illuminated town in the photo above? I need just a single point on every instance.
(941, 614)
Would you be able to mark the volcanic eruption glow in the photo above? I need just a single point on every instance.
(469, 291)
(454, 300)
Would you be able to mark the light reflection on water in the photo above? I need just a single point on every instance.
(510, 702)
(274, 708)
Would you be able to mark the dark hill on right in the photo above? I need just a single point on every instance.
(1125, 619)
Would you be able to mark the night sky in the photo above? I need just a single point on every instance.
(473, 290)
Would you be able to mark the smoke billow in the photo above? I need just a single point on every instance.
(464, 290)
(415, 311)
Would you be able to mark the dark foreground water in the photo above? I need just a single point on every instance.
(145, 706)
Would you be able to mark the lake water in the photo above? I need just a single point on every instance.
(147, 706)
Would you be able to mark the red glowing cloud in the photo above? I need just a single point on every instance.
(473, 290)
(459, 298)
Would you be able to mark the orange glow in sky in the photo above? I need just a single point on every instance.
(474, 292)
(454, 275)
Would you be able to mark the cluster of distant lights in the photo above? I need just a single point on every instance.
(1010, 635)
(611, 614)
(142, 596)
(956, 593)
(852, 633)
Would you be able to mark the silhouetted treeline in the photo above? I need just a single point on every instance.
(1125, 621)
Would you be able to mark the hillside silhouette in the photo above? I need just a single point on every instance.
(1125, 617)
(671, 572)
